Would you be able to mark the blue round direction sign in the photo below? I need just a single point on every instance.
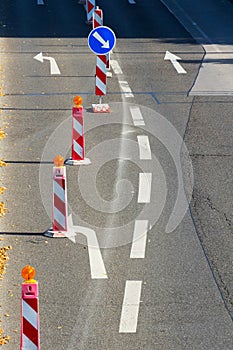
(101, 40)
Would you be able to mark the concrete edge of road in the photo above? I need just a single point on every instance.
(216, 280)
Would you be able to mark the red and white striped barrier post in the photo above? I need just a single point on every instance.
(101, 84)
(97, 22)
(78, 139)
(30, 330)
(90, 7)
(97, 17)
(108, 66)
(60, 210)
(101, 71)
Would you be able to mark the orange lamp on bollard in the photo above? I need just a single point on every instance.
(78, 101)
(28, 273)
(58, 161)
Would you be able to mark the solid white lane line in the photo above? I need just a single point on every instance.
(96, 261)
(126, 88)
(137, 116)
(138, 248)
(144, 191)
(97, 267)
(130, 307)
(116, 67)
(144, 147)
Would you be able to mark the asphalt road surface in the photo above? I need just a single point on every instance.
(160, 276)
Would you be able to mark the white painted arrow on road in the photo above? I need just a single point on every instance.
(105, 44)
(53, 64)
(97, 267)
(173, 58)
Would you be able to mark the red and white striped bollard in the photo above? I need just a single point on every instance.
(108, 66)
(78, 139)
(101, 84)
(60, 210)
(30, 328)
(97, 17)
(90, 7)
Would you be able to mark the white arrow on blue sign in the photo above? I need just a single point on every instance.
(101, 40)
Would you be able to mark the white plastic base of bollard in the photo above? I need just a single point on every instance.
(70, 161)
(57, 234)
(101, 108)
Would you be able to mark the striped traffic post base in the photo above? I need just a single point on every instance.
(60, 210)
(90, 7)
(30, 332)
(78, 139)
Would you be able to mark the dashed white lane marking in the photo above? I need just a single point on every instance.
(138, 248)
(130, 307)
(144, 147)
(40, 2)
(144, 191)
(116, 67)
(126, 88)
(132, 2)
(137, 116)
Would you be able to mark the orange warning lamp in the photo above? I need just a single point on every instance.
(28, 273)
(78, 101)
(58, 161)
